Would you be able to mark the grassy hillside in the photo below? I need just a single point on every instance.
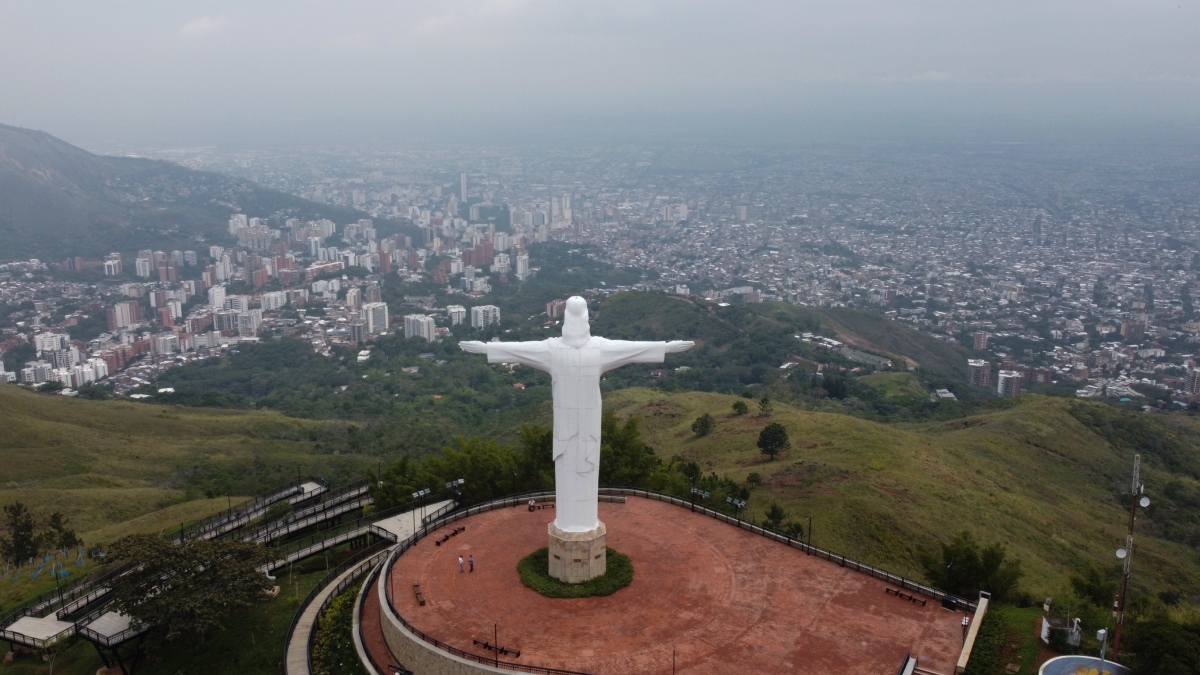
(105, 463)
(62, 200)
(1031, 476)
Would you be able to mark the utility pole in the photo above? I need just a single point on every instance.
(1136, 499)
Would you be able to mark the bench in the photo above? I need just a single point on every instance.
(904, 596)
(420, 596)
(487, 646)
(453, 533)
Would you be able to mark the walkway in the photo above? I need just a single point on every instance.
(401, 525)
(296, 660)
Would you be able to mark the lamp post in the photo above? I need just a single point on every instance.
(697, 492)
(738, 505)
(417, 501)
(1136, 499)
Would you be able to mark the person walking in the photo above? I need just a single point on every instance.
(460, 566)
(471, 561)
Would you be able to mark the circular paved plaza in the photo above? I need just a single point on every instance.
(725, 600)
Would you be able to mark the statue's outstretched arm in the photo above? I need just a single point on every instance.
(532, 354)
(618, 353)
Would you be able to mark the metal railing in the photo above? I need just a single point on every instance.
(331, 505)
(521, 499)
(858, 566)
(83, 628)
(89, 588)
(365, 559)
(367, 588)
(243, 513)
(282, 528)
(344, 532)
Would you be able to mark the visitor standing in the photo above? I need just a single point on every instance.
(471, 561)
(460, 566)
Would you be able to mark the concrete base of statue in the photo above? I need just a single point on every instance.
(576, 557)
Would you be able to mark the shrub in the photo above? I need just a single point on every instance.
(535, 574)
(740, 408)
(704, 425)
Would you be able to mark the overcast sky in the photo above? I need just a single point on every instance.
(310, 73)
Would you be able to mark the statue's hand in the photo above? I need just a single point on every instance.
(473, 347)
(679, 346)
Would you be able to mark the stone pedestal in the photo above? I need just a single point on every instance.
(576, 557)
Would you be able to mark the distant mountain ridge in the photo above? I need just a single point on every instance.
(58, 200)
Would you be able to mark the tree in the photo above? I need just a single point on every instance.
(764, 406)
(704, 425)
(1091, 585)
(740, 408)
(773, 439)
(775, 516)
(20, 545)
(625, 459)
(190, 587)
(60, 536)
(1162, 647)
(963, 569)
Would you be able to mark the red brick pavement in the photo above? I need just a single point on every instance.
(727, 601)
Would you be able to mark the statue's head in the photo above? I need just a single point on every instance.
(576, 332)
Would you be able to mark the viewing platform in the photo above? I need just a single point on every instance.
(711, 596)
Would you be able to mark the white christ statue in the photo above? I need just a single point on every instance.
(575, 362)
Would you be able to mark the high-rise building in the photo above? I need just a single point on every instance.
(112, 265)
(142, 267)
(456, 313)
(1192, 382)
(124, 314)
(216, 298)
(48, 342)
(419, 325)
(979, 373)
(248, 322)
(1008, 383)
(981, 339)
(353, 298)
(273, 300)
(483, 316)
(522, 266)
(1133, 331)
(462, 187)
(375, 317)
(238, 303)
(555, 308)
(237, 222)
(189, 258)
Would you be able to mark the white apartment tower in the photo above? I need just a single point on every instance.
(419, 325)
(216, 298)
(375, 317)
(484, 315)
(456, 313)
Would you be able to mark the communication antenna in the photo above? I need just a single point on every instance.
(1136, 498)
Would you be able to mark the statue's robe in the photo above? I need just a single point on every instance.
(575, 373)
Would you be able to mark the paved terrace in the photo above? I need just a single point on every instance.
(728, 600)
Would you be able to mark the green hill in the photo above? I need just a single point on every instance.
(1043, 477)
(105, 464)
(764, 334)
(60, 200)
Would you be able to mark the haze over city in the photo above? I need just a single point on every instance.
(133, 74)
(809, 337)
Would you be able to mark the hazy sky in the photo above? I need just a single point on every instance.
(300, 72)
